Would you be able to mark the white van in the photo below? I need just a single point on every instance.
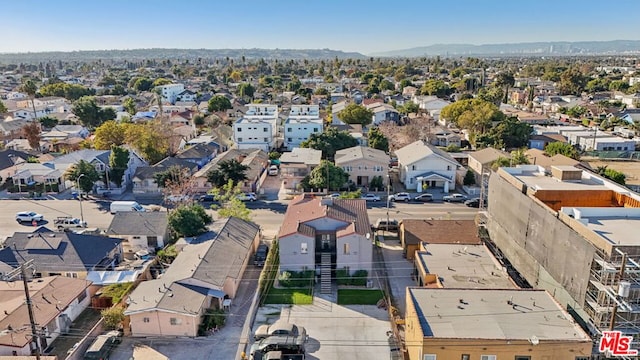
(125, 206)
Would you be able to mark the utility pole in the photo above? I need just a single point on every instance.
(22, 270)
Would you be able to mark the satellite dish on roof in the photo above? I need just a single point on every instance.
(534, 340)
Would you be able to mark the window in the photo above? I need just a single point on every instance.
(488, 357)
(465, 357)
(522, 357)
(289, 130)
(448, 167)
(315, 129)
(289, 139)
(303, 248)
(346, 249)
(175, 321)
(82, 296)
(266, 140)
(145, 319)
(239, 139)
(239, 129)
(429, 357)
(264, 129)
(71, 275)
(413, 167)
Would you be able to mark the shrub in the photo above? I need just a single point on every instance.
(343, 277)
(296, 279)
(210, 319)
(359, 278)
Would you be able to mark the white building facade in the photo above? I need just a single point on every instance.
(170, 92)
(303, 121)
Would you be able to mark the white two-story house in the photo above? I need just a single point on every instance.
(303, 121)
(424, 166)
(170, 92)
(257, 128)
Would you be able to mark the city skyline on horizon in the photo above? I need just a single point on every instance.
(354, 26)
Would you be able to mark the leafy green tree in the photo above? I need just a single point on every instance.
(118, 164)
(108, 134)
(435, 87)
(130, 105)
(505, 80)
(3, 108)
(161, 81)
(376, 183)
(611, 174)
(317, 179)
(141, 84)
(330, 141)
(48, 122)
(113, 317)
(219, 103)
(151, 139)
(67, 91)
(576, 111)
(510, 133)
(561, 148)
(518, 157)
(356, 114)
(90, 114)
(473, 114)
(469, 178)
(230, 203)
(274, 155)
(164, 178)
(572, 81)
(228, 170)
(409, 107)
(492, 94)
(246, 89)
(189, 220)
(82, 167)
(377, 140)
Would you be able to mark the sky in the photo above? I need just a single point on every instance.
(365, 26)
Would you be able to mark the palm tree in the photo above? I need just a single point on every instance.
(31, 89)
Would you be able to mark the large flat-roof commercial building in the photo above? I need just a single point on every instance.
(490, 324)
(572, 233)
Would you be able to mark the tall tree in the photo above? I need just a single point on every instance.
(118, 164)
(31, 131)
(3, 107)
(30, 88)
(108, 134)
(228, 170)
(85, 172)
(48, 122)
(377, 140)
(435, 87)
(505, 80)
(561, 148)
(90, 114)
(130, 105)
(330, 141)
(317, 179)
(189, 220)
(246, 89)
(356, 114)
(218, 103)
(229, 202)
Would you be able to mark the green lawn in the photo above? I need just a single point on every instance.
(290, 296)
(359, 296)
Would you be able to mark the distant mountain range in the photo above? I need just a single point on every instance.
(180, 54)
(558, 48)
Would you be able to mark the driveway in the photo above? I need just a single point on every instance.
(354, 332)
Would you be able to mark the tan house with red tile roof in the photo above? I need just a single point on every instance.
(325, 234)
(415, 231)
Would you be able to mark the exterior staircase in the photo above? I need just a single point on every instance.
(325, 273)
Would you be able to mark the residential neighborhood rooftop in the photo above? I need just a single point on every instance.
(464, 266)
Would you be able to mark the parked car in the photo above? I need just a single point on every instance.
(382, 224)
(473, 203)
(247, 197)
(455, 198)
(29, 216)
(285, 344)
(370, 197)
(103, 345)
(273, 170)
(280, 328)
(207, 198)
(424, 197)
(179, 198)
(402, 196)
(334, 196)
(66, 222)
(393, 162)
(261, 255)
